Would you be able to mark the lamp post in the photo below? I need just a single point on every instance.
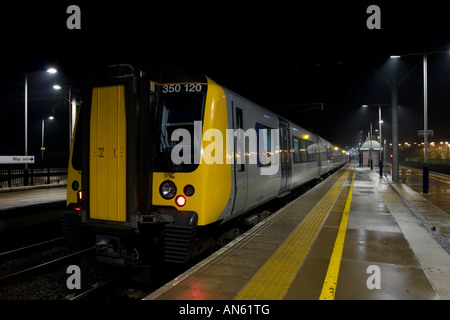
(58, 87)
(426, 132)
(51, 71)
(425, 182)
(51, 117)
(394, 103)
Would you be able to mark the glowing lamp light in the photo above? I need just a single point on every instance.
(180, 201)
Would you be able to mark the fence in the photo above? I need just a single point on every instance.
(11, 177)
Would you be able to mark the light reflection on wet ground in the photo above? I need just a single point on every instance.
(438, 191)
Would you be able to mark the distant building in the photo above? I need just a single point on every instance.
(364, 152)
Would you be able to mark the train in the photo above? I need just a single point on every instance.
(164, 166)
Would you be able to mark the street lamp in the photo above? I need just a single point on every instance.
(425, 181)
(51, 71)
(394, 104)
(426, 132)
(50, 117)
(71, 117)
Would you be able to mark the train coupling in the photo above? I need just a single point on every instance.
(113, 251)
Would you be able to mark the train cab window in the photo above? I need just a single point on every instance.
(178, 112)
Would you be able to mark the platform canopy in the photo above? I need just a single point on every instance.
(366, 146)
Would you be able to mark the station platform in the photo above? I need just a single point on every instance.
(32, 196)
(353, 236)
(31, 206)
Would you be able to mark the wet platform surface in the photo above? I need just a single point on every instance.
(437, 207)
(350, 237)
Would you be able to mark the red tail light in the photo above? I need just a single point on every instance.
(180, 201)
(79, 198)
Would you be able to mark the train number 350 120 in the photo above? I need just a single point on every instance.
(181, 88)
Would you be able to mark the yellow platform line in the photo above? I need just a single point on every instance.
(274, 278)
(330, 283)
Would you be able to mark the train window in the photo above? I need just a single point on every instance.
(311, 149)
(179, 112)
(296, 144)
(322, 150)
(265, 148)
(240, 125)
(303, 150)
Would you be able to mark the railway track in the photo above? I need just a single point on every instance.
(43, 266)
(21, 279)
(92, 290)
(7, 255)
(38, 272)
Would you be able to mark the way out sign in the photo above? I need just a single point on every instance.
(16, 159)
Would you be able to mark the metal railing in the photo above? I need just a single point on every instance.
(12, 177)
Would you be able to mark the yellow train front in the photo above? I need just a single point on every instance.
(125, 195)
(163, 170)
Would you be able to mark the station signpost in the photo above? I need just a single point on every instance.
(19, 160)
(16, 159)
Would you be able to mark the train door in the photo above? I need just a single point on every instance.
(240, 167)
(286, 162)
(108, 154)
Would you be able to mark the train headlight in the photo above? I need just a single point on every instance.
(189, 190)
(75, 185)
(167, 189)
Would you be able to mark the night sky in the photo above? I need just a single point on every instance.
(281, 55)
